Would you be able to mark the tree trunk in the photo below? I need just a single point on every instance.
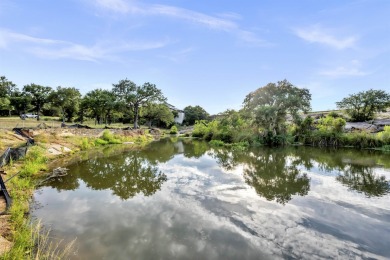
(39, 108)
(136, 117)
(63, 115)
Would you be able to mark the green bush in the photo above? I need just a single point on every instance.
(216, 143)
(85, 144)
(331, 124)
(110, 138)
(173, 130)
(100, 141)
(200, 129)
(385, 135)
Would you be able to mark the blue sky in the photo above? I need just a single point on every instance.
(207, 53)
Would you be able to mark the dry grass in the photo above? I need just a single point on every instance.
(12, 122)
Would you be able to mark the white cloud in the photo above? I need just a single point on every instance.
(352, 69)
(57, 49)
(196, 17)
(120, 6)
(7, 37)
(223, 22)
(316, 34)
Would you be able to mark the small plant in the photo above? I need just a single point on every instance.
(35, 161)
(110, 138)
(100, 141)
(85, 144)
(173, 130)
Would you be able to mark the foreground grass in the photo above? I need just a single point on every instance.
(31, 240)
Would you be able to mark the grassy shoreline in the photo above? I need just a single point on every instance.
(28, 238)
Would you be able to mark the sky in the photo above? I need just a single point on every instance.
(207, 53)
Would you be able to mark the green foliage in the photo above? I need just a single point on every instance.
(135, 96)
(99, 104)
(6, 89)
(35, 161)
(361, 140)
(38, 94)
(200, 129)
(363, 105)
(331, 124)
(100, 141)
(216, 143)
(67, 100)
(107, 138)
(85, 144)
(385, 135)
(173, 130)
(268, 107)
(157, 113)
(193, 114)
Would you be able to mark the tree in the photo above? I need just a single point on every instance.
(268, 107)
(67, 100)
(137, 96)
(100, 103)
(39, 95)
(363, 105)
(194, 113)
(7, 87)
(157, 112)
(20, 102)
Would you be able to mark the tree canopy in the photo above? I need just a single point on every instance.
(157, 112)
(67, 100)
(6, 89)
(99, 104)
(269, 106)
(363, 105)
(39, 95)
(194, 113)
(137, 96)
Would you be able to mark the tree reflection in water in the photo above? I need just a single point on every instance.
(268, 171)
(275, 173)
(364, 180)
(126, 175)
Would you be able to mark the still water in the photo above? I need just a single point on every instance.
(181, 199)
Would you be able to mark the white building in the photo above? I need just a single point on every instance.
(180, 114)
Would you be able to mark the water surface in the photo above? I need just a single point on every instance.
(181, 199)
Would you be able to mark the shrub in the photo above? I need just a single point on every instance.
(385, 135)
(109, 138)
(200, 129)
(216, 143)
(361, 139)
(331, 124)
(100, 141)
(85, 144)
(173, 130)
(386, 147)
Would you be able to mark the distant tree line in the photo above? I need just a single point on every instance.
(126, 102)
(277, 114)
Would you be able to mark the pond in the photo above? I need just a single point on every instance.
(182, 199)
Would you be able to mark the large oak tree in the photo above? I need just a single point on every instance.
(135, 97)
(363, 105)
(269, 106)
(39, 95)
